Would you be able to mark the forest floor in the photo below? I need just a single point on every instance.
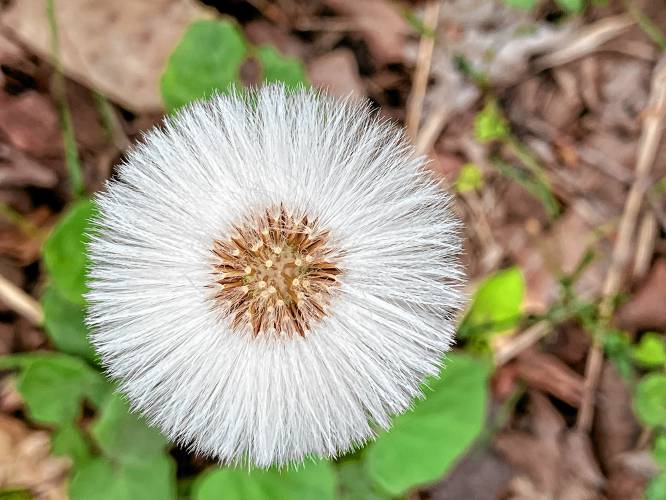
(548, 126)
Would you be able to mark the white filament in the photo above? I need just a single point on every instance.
(267, 399)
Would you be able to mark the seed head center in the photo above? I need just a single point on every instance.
(275, 274)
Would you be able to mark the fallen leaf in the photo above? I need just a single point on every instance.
(645, 310)
(490, 471)
(580, 476)
(26, 462)
(337, 72)
(552, 461)
(536, 452)
(547, 373)
(616, 428)
(30, 122)
(119, 48)
(261, 32)
(380, 24)
(629, 475)
(9, 51)
(18, 170)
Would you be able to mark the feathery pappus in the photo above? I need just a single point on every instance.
(273, 274)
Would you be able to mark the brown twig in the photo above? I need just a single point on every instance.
(655, 203)
(652, 131)
(647, 235)
(21, 302)
(588, 40)
(432, 127)
(521, 342)
(422, 71)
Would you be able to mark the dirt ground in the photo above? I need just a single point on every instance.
(573, 193)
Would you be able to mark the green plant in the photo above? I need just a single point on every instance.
(490, 125)
(470, 178)
(495, 308)
(193, 73)
(650, 402)
(123, 458)
(572, 6)
(117, 456)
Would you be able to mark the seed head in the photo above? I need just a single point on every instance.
(273, 274)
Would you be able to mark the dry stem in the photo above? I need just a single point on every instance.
(21, 302)
(653, 127)
(423, 61)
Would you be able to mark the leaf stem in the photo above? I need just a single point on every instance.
(72, 160)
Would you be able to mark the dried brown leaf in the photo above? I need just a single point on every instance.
(337, 71)
(645, 310)
(119, 48)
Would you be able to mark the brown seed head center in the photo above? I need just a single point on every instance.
(275, 274)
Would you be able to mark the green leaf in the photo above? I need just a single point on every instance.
(576, 6)
(656, 490)
(278, 68)
(355, 483)
(521, 4)
(68, 440)
(650, 352)
(65, 251)
(496, 304)
(659, 449)
(23, 361)
(426, 442)
(124, 436)
(312, 481)
(207, 59)
(15, 494)
(143, 479)
(490, 124)
(617, 346)
(650, 399)
(64, 323)
(470, 178)
(54, 388)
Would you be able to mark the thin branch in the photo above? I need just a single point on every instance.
(21, 302)
(521, 342)
(588, 40)
(653, 127)
(647, 235)
(422, 72)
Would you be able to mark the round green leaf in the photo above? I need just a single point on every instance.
(54, 387)
(123, 435)
(65, 251)
(490, 124)
(521, 4)
(496, 304)
(100, 479)
(651, 351)
(15, 494)
(656, 490)
(64, 323)
(470, 178)
(277, 68)
(650, 400)
(425, 442)
(68, 440)
(313, 481)
(576, 6)
(659, 450)
(355, 483)
(207, 59)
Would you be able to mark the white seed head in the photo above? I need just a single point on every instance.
(273, 275)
